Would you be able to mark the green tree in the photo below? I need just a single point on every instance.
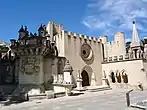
(144, 41)
(128, 44)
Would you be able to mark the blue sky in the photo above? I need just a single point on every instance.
(90, 17)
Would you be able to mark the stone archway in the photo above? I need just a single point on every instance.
(124, 76)
(88, 73)
(85, 78)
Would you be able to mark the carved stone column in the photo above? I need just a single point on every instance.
(17, 69)
(93, 80)
(138, 54)
(105, 81)
(54, 69)
(79, 82)
(141, 54)
(134, 57)
(41, 73)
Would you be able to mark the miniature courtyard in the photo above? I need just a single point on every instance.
(113, 99)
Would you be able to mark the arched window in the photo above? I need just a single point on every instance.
(118, 76)
(124, 76)
(60, 66)
(112, 77)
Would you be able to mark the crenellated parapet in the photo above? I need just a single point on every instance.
(116, 47)
(82, 37)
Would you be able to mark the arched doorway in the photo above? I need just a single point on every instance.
(85, 78)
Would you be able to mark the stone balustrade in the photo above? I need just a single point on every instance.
(122, 58)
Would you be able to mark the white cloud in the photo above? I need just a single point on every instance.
(115, 15)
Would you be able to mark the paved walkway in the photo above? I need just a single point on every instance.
(104, 100)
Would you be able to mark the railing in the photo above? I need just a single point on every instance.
(121, 58)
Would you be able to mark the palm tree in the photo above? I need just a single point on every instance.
(143, 42)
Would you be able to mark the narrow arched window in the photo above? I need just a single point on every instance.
(118, 77)
(60, 67)
(113, 77)
(124, 76)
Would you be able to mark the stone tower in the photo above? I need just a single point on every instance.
(119, 40)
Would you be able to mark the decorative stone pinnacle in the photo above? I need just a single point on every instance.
(67, 67)
(135, 37)
(21, 29)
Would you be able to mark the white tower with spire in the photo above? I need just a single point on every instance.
(135, 38)
(136, 45)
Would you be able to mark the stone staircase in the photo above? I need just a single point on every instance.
(21, 92)
(93, 88)
(97, 88)
(30, 92)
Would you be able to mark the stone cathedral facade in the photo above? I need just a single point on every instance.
(40, 58)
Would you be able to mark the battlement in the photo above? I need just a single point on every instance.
(119, 33)
(114, 47)
(81, 36)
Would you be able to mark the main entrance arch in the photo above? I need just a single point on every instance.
(85, 78)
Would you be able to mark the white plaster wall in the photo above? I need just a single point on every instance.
(132, 68)
(145, 73)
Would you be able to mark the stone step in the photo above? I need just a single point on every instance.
(37, 97)
(59, 94)
(96, 89)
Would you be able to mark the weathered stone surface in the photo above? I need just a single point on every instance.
(112, 100)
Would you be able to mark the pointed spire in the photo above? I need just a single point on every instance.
(135, 38)
(41, 28)
(21, 29)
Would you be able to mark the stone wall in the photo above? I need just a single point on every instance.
(69, 46)
(31, 70)
(132, 68)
